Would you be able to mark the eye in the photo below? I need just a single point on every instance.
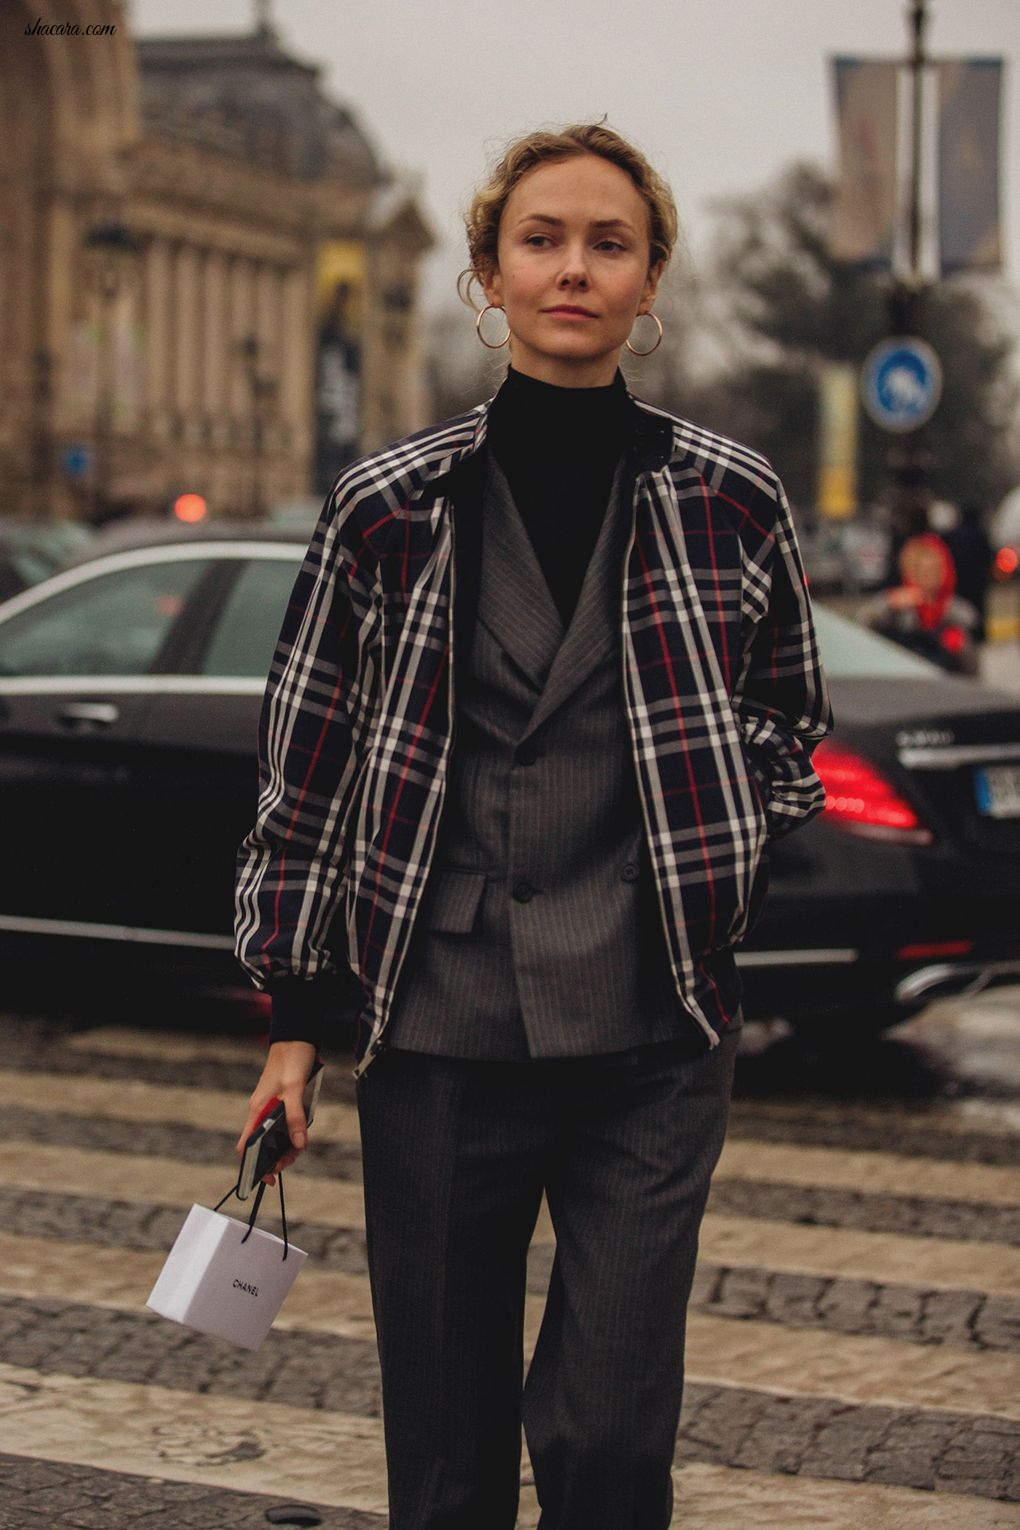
(538, 241)
(612, 245)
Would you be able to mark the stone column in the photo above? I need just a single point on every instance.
(159, 305)
(215, 349)
(187, 348)
(241, 316)
(297, 367)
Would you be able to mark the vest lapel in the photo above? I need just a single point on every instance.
(514, 602)
(595, 628)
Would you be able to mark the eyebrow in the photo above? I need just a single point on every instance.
(558, 222)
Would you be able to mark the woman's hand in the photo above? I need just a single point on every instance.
(283, 1078)
(904, 597)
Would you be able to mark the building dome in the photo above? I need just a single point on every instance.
(244, 95)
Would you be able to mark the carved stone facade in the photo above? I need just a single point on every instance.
(169, 212)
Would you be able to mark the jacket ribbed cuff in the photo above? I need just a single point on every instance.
(298, 1012)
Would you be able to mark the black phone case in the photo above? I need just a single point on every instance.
(270, 1141)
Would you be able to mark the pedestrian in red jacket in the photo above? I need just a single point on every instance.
(923, 613)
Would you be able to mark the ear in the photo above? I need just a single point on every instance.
(492, 286)
(651, 287)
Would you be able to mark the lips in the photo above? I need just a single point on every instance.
(568, 311)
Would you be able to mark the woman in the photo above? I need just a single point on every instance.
(547, 685)
(924, 612)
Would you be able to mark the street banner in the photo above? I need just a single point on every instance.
(837, 440)
(968, 147)
(864, 221)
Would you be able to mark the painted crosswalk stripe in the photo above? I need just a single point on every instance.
(336, 1459)
(865, 1172)
(169, 1046)
(719, 1498)
(868, 1172)
(857, 1368)
(990, 1117)
(37, 1268)
(144, 1103)
(774, 1363)
(939, 1264)
(995, 1117)
(883, 1257)
(169, 1182)
(263, 1448)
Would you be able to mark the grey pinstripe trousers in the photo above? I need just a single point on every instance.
(457, 1155)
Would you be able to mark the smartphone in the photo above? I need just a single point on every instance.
(270, 1140)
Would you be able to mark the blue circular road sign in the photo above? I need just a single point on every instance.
(76, 460)
(901, 383)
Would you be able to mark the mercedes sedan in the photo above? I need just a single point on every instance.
(129, 694)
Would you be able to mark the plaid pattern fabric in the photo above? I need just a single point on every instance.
(723, 688)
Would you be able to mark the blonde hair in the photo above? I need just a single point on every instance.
(486, 210)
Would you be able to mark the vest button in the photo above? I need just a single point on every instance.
(526, 755)
(629, 873)
(523, 892)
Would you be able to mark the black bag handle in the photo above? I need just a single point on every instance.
(260, 1192)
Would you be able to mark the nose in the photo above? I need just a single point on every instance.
(575, 269)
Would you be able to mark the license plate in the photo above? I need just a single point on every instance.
(997, 788)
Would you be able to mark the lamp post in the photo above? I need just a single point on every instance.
(909, 461)
(917, 62)
(113, 252)
(263, 389)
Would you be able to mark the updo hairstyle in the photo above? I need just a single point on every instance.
(486, 210)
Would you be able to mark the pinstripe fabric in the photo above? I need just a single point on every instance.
(722, 684)
(542, 793)
(456, 1156)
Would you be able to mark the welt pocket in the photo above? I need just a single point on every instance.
(455, 898)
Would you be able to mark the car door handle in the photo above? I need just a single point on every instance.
(83, 715)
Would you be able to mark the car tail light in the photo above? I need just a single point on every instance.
(925, 950)
(860, 798)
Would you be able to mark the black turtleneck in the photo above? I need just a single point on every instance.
(559, 449)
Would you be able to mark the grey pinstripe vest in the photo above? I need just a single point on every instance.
(539, 933)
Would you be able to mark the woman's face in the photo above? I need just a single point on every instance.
(572, 272)
(927, 569)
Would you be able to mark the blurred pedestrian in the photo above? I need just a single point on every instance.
(922, 612)
(547, 685)
(973, 559)
(909, 518)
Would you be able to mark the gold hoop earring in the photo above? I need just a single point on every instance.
(658, 339)
(489, 346)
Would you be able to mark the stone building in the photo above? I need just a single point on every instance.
(208, 282)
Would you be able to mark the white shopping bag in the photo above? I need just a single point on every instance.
(226, 1277)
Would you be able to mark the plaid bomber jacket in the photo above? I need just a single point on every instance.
(722, 686)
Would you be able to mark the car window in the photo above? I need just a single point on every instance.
(249, 625)
(851, 652)
(112, 624)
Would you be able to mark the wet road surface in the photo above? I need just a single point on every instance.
(854, 1346)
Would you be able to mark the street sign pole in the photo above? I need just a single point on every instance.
(908, 460)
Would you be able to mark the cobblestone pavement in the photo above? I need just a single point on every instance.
(856, 1362)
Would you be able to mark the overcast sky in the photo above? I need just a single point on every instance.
(720, 93)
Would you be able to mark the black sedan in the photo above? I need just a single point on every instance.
(129, 694)
(32, 550)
